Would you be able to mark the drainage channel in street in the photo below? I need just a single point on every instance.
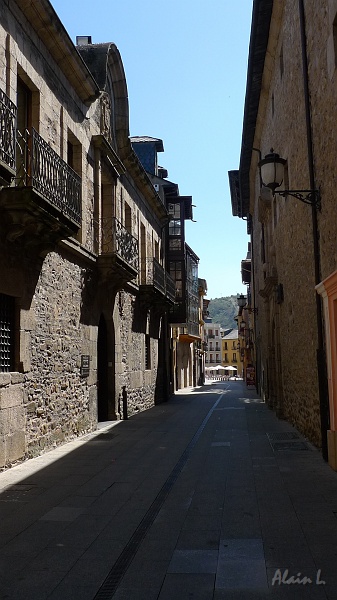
(121, 565)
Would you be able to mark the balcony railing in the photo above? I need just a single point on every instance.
(41, 168)
(7, 132)
(118, 241)
(155, 276)
(193, 328)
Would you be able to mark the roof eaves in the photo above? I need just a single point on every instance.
(261, 19)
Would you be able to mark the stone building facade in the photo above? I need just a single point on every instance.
(83, 331)
(185, 317)
(289, 111)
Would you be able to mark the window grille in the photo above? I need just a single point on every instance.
(6, 333)
(147, 352)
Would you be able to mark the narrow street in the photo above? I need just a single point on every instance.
(208, 496)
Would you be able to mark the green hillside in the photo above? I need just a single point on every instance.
(223, 311)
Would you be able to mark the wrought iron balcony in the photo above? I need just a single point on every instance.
(117, 250)
(155, 282)
(7, 137)
(152, 274)
(43, 200)
(39, 167)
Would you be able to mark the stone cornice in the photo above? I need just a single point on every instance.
(45, 22)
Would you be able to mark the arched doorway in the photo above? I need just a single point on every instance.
(102, 371)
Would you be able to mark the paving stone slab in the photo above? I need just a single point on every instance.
(187, 586)
(194, 561)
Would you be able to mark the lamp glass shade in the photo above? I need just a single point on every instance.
(241, 300)
(272, 170)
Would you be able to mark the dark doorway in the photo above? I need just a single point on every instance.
(102, 371)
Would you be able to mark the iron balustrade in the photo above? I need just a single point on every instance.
(40, 167)
(7, 131)
(7, 323)
(152, 273)
(117, 240)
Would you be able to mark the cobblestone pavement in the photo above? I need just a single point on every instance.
(208, 496)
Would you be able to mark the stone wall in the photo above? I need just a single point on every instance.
(58, 401)
(131, 325)
(12, 418)
(61, 290)
(289, 328)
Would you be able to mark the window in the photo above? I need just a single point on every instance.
(156, 250)
(175, 244)
(105, 240)
(176, 274)
(174, 210)
(24, 123)
(127, 217)
(143, 271)
(7, 323)
(175, 227)
(147, 352)
(226, 358)
(74, 154)
(216, 332)
(74, 160)
(226, 346)
(234, 357)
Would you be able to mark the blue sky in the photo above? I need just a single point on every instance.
(185, 63)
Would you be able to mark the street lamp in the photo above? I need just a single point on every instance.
(272, 176)
(242, 301)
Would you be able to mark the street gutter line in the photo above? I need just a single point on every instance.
(122, 563)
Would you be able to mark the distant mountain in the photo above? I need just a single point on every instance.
(223, 310)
